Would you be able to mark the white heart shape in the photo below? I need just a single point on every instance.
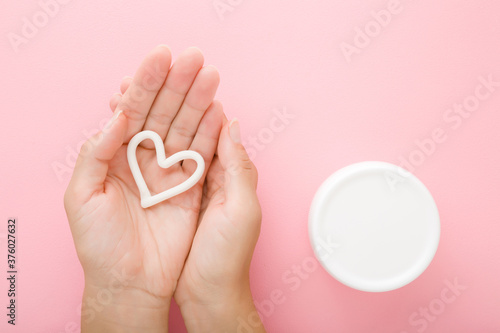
(147, 200)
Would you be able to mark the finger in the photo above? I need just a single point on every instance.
(224, 122)
(92, 164)
(141, 93)
(126, 81)
(170, 97)
(215, 177)
(206, 138)
(115, 99)
(198, 99)
(240, 173)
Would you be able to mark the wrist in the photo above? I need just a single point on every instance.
(118, 308)
(229, 311)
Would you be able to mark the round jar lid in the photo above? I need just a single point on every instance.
(374, 226)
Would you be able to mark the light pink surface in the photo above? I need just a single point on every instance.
(271, 55)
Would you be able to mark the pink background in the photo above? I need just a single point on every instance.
(271, 55)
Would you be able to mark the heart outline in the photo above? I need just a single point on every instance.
(148, 200)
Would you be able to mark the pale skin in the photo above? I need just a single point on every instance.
(195, 247)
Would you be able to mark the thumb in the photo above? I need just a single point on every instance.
(240, 173)
(92, 164)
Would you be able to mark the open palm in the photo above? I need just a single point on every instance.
(112, 231)
(216, 269)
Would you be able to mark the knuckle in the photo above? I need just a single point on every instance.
(86, 147)
(160, 117)
(182, 131)
(130, 103)
(89, 146)
(247, 165)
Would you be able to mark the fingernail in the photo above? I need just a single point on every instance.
(234, 131)
(112, 120)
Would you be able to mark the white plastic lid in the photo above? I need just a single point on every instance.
(374, 226)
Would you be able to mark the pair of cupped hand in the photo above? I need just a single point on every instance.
(195, 247)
